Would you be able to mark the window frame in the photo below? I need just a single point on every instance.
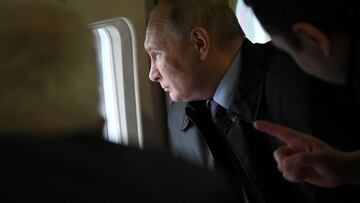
(125, 70)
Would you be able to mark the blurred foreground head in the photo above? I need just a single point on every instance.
(48, 74)
(316, 33)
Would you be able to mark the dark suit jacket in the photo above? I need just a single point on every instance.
(86, 168)
(353, 75)
(273, 88)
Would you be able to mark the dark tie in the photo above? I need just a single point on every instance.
(217, 111)
(223, 124)
(219, 117)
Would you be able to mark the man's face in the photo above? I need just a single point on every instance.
(173, 64)
(298, 55)
(318, 55)
(308, 57)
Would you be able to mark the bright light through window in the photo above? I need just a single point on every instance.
(118, 83)
(112, 128)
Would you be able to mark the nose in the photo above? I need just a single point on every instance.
(154, 74)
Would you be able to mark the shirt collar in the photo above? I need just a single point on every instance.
(224, 93)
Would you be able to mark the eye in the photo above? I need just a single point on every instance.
(151, 54)
(157, 54)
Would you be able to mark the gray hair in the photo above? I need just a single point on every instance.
(214, 15)
(48, 74)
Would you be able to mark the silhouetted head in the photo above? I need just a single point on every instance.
(48, 73)
(316, 33)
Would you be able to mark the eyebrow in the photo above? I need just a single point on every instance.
(146, 45)
(151, 47)
(148, 48)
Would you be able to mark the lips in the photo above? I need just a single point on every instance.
(164, 86)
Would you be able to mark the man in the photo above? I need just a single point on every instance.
(199, 55)
(322, 38)
(306, 158)
(52, 149)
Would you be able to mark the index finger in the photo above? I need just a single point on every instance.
(284, 134)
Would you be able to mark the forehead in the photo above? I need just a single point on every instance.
(155, 38)
(156, 31)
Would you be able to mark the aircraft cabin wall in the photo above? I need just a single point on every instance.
(153, 122)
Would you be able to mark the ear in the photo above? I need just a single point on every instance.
(311, 37)
(199, 39)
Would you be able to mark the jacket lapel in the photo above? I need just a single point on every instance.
(251, 81)
(245, 108)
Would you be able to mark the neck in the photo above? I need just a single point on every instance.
(222, 62)
(338, 60)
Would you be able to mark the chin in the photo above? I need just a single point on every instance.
(177, 98)
(173, 97)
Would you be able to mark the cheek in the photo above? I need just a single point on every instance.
(160, 62)
(301, 61)
(306, 67)
(167, 68)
